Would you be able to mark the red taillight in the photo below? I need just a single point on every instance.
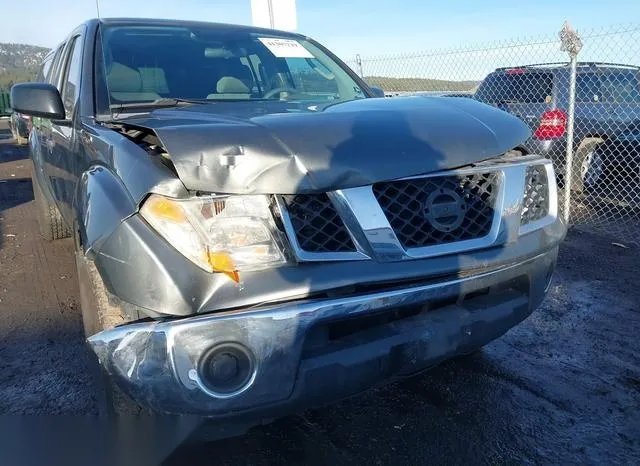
(552, 125)
(515, 71)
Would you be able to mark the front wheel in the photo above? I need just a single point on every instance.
(52, 225)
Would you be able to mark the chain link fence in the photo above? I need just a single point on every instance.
(578, 91)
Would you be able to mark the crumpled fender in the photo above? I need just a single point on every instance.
(120, 176)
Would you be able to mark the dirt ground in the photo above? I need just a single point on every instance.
(563, 387)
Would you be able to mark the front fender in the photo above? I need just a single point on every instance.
(36, 148)
(102, 203)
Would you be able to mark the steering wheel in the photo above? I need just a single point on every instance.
(277, 90)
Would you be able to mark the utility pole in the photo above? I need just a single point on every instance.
(274, 14)
(272, 22)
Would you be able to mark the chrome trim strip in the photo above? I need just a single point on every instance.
(513, 201)
(366, 217)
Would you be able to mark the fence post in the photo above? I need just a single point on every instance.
(359, 63)
(572, 44)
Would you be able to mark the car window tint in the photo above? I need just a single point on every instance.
(516, 86)
(620, 87)
(71, 85)
(55, 66)
(145, 64)
(587, 87)
(43, 74)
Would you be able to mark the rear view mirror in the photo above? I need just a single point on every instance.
(37, 99)
(377, 92)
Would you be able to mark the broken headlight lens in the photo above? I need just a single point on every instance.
(220, 234)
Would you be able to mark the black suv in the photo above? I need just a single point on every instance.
(607, 100)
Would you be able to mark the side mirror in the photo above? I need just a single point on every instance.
(37, 99)
(377, 92)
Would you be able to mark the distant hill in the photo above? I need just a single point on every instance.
(19, 63)
(419, 84)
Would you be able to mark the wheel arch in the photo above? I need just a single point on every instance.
(101, 203)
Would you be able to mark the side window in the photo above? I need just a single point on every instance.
(55, 66)
(620, 87)
(71, 86)
(587, 87)
(43, 74)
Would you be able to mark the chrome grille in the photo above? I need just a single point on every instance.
(535, 204)
(317, 225)
(438, 210)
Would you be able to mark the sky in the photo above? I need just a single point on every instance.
(347, 27)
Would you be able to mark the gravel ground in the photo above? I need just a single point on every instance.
(563, 387)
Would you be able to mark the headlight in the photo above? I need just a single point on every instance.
(223, 234)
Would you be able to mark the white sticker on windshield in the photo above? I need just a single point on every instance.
(285, 48)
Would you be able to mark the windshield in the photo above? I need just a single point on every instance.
(145, 64)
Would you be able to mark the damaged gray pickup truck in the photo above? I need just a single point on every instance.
(256, 233)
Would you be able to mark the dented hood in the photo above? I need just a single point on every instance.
(250, 150)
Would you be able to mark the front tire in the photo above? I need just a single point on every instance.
(98, 315)
(52, 225)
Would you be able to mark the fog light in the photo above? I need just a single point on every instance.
(227, 370)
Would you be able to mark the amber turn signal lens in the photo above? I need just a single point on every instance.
(166, 209)
(222, 262)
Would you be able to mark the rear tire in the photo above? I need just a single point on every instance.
(98, 315)
(582, 158)
(52, 225)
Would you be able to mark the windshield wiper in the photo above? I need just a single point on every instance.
(158, 103)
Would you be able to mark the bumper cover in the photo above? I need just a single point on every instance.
(157, 363)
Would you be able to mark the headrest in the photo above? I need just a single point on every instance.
(231, 85)
(153, 80)
(121, 78)
(235, 68)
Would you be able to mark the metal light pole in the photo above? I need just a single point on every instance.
(359, 63)
(97, 8)
(272, 22)
(572, 44)
(274, 14)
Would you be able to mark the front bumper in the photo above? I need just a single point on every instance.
(307, 353)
